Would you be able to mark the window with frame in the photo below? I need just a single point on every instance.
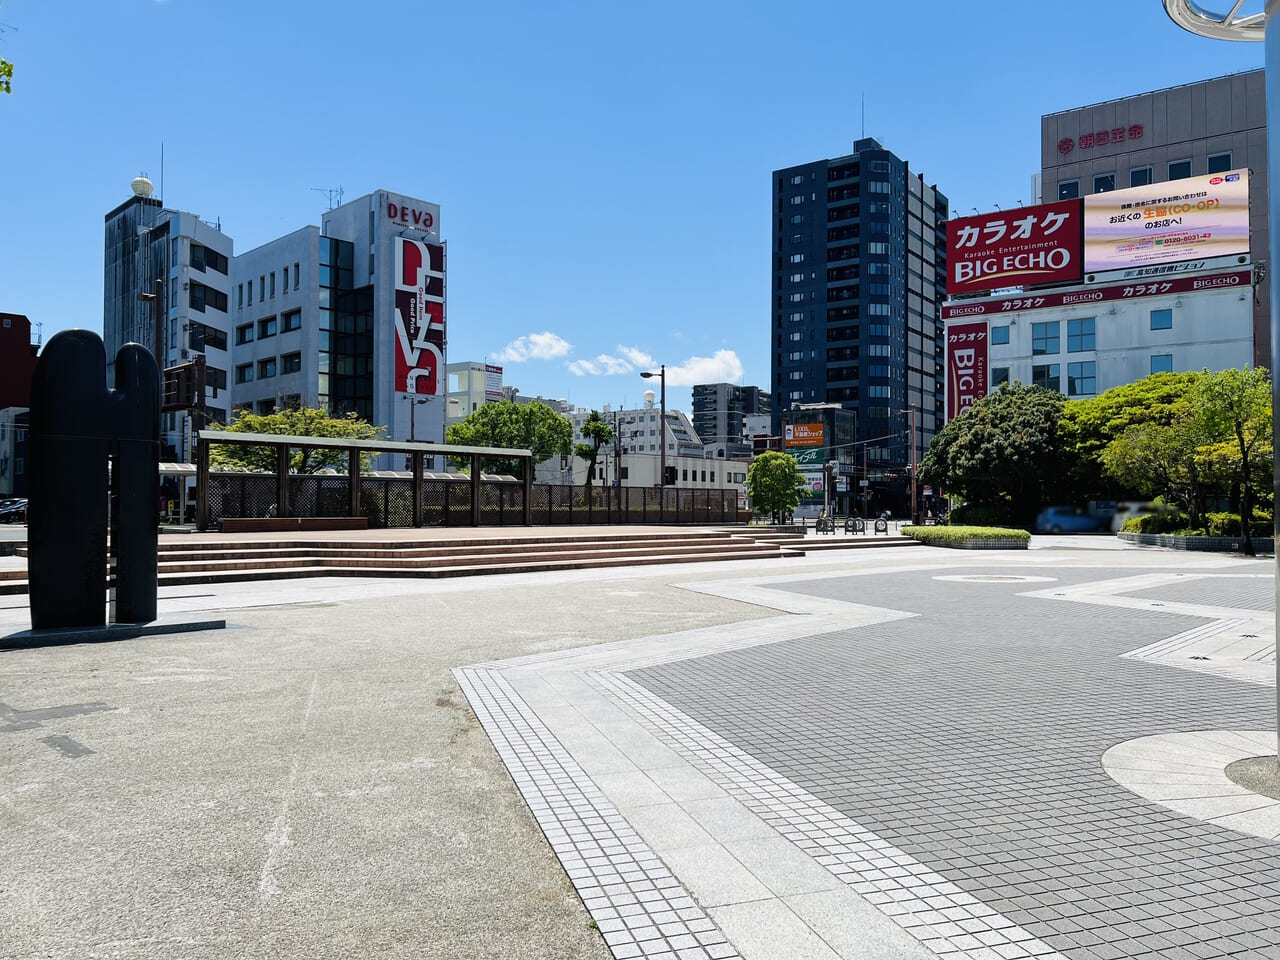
(1139, 176)
(1104, 182)
(266, 327)
(244, 333)
(1082, 379)
(1000, 334)
(1218, 163)
(1162, 363)
(291, 362)
(1068, 189)
(1045, 338)
(267, 406)
(1179, 169)
(244, 373)
(1080, 335)
(1048, 375)
(291, 321)
(240, 296)
(262, 287)
(215, 377)
(297, 276)
(266, 368)
(999, 375)
(1162, 319)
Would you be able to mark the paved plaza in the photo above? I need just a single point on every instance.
(912, 752)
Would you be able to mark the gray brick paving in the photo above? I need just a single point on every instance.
(980, 757)
(1243, 593)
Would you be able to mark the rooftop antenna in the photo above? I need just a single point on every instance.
(331, 193)
(161, 171)
(996, 205)
(864, 114)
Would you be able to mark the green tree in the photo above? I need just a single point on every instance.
(774, 482)
(528, 426)
(1003, 452)
(6, 72)
(303, 422)
(1090, 424)
(1163, 460)
(1234, 407)
(599, 433)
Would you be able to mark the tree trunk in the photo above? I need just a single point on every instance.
(1246, 509)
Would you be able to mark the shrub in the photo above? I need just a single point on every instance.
(950, 535)
(1172, 522)
(978, 514)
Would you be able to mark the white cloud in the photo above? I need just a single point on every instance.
(723, 367)
(536, 346)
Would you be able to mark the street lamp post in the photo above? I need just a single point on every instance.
(157, 299)
(911, 443)
(662, 433)
(414, 400)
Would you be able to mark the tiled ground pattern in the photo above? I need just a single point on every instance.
(981, 759)
(1242, 593)
(639, 907)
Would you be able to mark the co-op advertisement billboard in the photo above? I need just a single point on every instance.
(1027, 246)
(1195, 218)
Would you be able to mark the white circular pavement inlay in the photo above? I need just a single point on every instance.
(994, 578)
(1186, 772)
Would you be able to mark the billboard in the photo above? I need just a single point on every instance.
(809, 457)
(492, 382)
(1199, 217)
(1029, 245)
(802, 435)
(419, 339)
(1133, 290)
(966, 366)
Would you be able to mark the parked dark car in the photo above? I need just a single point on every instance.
(13, 511)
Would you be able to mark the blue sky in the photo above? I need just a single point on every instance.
(603, 169)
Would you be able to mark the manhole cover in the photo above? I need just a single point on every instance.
(994, 578)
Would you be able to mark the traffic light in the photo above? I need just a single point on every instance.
(669, 479)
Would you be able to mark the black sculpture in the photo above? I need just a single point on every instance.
(77, 424)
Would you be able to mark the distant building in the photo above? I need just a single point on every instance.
(144, 242)
(859, 273)
(560, 406)
(719, 417)
(17, 360)
(14, 424)
(471, 386)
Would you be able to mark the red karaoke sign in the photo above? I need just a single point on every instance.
(1029, 245)
(966, 366)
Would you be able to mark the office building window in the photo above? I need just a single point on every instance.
(1081, 380)
(1219, 163)
(273, 284)
(251, 291)
(1044, 338)
(244, 373)
(1179, 169)
(1162, 363)
(297, 276)
(1080, 335)
(999, 375)
(244, 333)
(1000, 334)
(267, 368)
(215, 378)
(291, 362)
(240, 296)
(267, 406)
(266, 328)
(262, 287)
(1104, 182)
(1161, 319)
(1047, 376)
(284, 286)
(1139, 176)
(292, 320)
(1068, 189)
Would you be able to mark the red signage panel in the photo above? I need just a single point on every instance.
(1146, 287)
(966, 366)
(419, 340)
(1029, 245)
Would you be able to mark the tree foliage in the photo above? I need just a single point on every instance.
(1162, 460)
(1004, 451)
(304, 422)
(774, 482)
(6, 73)
(529, 426)
(600, 434)
(1234, 408)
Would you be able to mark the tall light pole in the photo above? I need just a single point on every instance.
(414, 400)
(911, 444)
(662, 433)
(1233, 25)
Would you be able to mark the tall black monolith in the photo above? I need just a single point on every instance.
(78, 425)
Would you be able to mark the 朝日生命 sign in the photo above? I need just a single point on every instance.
(1029, 245)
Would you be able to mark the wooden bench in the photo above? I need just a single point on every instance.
(285, 524)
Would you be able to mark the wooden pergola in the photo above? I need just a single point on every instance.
(283, 443)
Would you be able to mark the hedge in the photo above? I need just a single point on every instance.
(953, 536)
(1214, 524)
